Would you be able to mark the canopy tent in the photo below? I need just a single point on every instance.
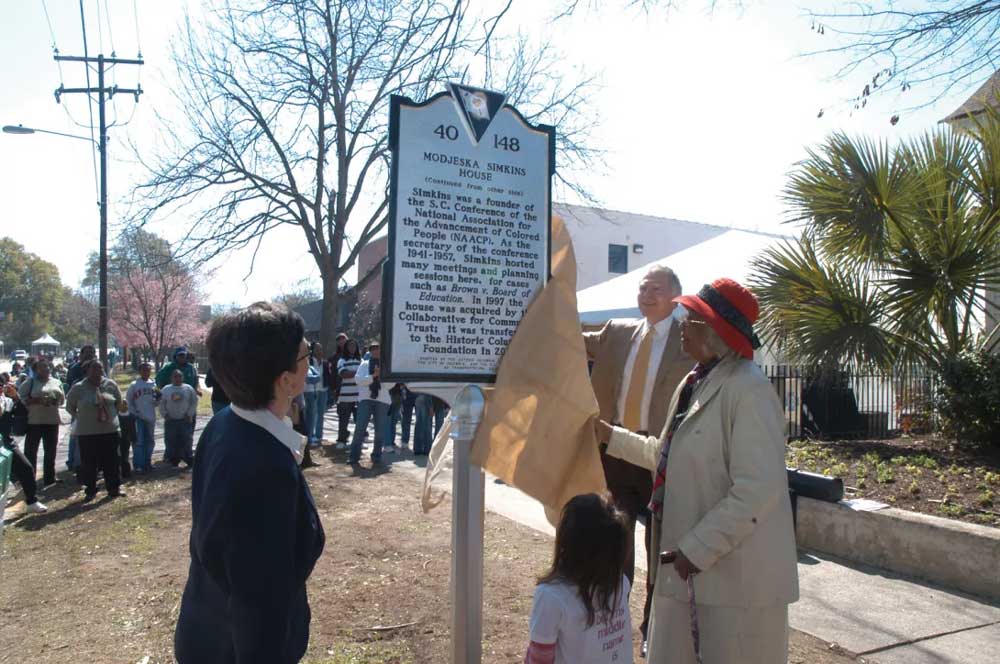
(726, 255)
(44, 343)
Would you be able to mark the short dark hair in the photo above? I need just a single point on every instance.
(270, 334)
(592, 541)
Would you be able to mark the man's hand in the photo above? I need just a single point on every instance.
(377, 372)
(603, 431)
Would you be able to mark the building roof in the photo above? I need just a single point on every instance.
(584, 213)
(987, 95)
(727, 255)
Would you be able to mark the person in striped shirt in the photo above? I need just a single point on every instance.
(347, 401)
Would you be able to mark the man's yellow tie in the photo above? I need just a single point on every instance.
(632, 418)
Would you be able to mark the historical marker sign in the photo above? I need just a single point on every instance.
(468, 233)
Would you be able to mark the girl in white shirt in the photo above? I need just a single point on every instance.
(580, 613)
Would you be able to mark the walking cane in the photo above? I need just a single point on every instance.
(668, 558)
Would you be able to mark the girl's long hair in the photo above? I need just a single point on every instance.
(590, 551)
(356, 355)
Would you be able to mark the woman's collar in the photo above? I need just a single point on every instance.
(279, 428)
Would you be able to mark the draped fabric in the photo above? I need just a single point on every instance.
(537, 430)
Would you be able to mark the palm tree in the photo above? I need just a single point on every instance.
(897, 249)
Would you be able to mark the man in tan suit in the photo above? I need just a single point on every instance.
(637, 366)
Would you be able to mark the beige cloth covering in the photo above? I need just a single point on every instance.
(537, 429)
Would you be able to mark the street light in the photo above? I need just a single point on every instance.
(22, 130)
(102, 298)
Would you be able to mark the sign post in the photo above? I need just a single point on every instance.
(468, 488)
(469, 248)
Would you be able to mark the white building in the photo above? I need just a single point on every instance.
(729, 254)
(609, 243)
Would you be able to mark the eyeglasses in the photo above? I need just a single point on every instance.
(308, 352)
(683, 315)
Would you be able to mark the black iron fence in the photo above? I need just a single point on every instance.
(854, 403)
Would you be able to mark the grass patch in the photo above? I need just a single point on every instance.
(373, 653)
(126, 378)
(129, 529)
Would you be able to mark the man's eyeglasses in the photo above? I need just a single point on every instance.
(308, 353)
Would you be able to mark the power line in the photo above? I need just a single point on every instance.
(52, 33)
(111, 34)
(135, 15)
(90, 100)
(100, 27)
(55, 51)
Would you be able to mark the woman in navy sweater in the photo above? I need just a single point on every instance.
(255, 534)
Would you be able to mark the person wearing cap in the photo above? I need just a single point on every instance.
(637, 366)
(189, 376)
(373, 404)
(720, 493)
(180, 363)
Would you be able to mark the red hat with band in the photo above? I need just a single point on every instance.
(731, 309)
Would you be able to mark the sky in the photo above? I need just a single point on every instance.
(701, 117)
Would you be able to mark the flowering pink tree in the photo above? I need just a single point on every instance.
(154, 307)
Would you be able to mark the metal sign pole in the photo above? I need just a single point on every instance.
(468, 488)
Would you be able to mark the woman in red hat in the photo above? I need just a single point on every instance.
(720, 495)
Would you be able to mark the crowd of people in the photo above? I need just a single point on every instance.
(350, 381)
(113, 435)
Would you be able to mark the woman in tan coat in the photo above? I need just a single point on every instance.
(720, 494)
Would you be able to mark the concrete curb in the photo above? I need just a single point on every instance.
(948, 553)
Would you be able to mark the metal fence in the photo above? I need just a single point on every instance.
(854, 403)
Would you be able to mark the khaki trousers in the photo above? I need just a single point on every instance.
(729, 635)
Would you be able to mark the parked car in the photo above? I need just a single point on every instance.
(20, 355)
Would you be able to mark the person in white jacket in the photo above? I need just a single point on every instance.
(178, 405)
(720, 495)
(373, 403)
(142, 397)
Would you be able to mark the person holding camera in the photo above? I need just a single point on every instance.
(42, 394)
(374, 405)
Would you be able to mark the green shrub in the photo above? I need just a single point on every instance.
(968, 398)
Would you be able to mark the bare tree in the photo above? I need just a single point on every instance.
(302, 292)
(365, 322)
(285, 112)
(939, 45)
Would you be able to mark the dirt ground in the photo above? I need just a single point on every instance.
(101, 582)
(921, 473)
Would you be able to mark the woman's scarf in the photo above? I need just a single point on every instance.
(691, 382)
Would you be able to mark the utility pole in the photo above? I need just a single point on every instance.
(101, 90)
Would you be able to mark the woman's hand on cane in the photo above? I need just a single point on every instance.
(682, 565)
